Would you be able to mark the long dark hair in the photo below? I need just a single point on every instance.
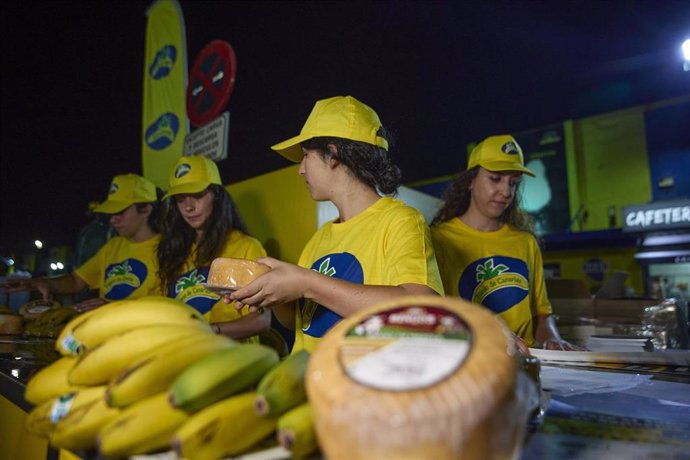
(177, 237)
(457, 197)
(368, 163)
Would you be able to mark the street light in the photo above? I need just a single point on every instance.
(38, 244)
(686, 54)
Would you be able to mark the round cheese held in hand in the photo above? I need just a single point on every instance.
(230, 274)
(417, 377)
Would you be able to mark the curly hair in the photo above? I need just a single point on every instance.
(177, 237)
(457, 197)
(368, 163)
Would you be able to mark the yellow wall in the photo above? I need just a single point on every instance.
(611, 166)
(278, 210)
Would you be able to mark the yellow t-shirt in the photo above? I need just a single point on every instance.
(188, 287)
(387, 244)
(122, 269)
(502, 270)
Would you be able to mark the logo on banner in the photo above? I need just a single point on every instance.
(163, 63)
(595, 269)
(162, 132)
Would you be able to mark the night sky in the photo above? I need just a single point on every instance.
(440, 74)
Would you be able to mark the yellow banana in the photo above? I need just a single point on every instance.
(282, 387)
(221, 374)
(42, 418)
(79, 428)
(226, 428)
(126, 315)
(51, 381)
(144, 427)
(101, 364)
(65, 342)
(296, 431)
(155, 372)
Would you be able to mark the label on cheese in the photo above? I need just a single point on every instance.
(405, 348)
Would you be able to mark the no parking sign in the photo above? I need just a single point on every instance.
(211, 81)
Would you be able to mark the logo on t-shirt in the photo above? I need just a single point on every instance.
(123, 278)
(189, 288)
(317, 319)
(496, 282)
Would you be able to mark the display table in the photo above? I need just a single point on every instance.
(626, 412)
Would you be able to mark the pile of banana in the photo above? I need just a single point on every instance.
(148, 375)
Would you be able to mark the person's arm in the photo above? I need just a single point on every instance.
(70, 283)
(287, 282)
(247, 326)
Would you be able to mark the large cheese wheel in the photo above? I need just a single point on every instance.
(419, 377)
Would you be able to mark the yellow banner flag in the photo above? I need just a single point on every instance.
(165, 121)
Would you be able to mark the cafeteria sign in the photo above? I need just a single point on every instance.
(657, 216)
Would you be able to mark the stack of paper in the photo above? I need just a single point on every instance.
(618, 343)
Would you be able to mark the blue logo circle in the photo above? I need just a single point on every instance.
(162, 132)
(163, 63)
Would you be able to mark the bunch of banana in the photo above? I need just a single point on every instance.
(282, 387)
(42, 418)
(51, 381)
(154, 373)
(99, 365)
(79, 428)
(226, 428)
(144, 427)
(296, 431)
(221, 374)
(97, 326)
(50, 322)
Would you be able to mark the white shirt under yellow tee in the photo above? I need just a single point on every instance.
(502, 270)
(387, 244)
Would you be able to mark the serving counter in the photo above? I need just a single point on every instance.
(623, 411)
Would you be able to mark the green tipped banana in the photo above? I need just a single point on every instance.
(154, 373)
(220, 375)
(282, 388)
(144, 427)
(226, 428)
(296, 431)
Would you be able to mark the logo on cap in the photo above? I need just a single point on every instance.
(182, 170)
(509, 148)
(113, 188)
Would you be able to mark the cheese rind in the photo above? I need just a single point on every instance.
(472, 412)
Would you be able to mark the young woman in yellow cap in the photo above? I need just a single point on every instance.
(485, 246)
(125, 267)
(377, 249)
(201, 223)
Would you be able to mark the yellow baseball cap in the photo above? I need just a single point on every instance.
(498, 153)
(340, 116)
(192, 174)
(126, 190)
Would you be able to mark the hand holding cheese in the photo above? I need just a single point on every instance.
(231, 274)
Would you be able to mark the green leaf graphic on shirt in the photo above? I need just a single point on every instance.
(119, 270)
(326, 269)
(487, 271)
(186, 282)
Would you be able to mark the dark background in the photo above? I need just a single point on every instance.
(439, 74)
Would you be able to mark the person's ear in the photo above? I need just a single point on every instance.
(332, 155)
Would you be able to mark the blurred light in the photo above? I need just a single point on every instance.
(39, 244)
(15, 373)
(53, 266)
(662, 240)
(686, 54)
(60, 266)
